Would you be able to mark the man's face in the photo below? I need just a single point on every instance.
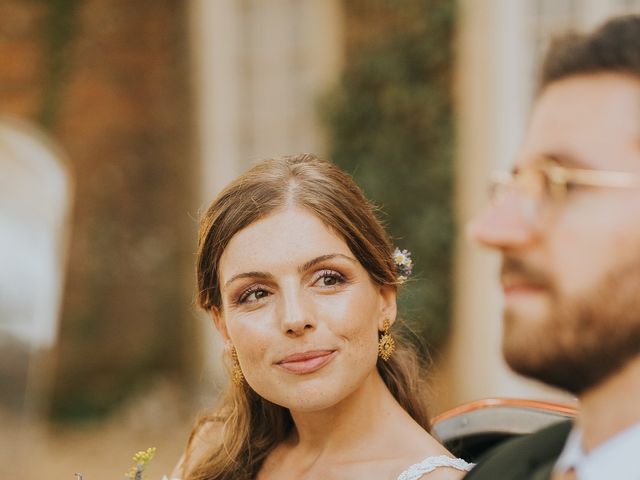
(571, 265)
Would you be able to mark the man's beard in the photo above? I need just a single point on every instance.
(582, 340)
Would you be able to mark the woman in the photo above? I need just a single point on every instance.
(298, 276)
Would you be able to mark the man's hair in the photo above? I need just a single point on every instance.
(612, 48)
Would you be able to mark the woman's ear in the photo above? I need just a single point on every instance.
(220, 324)
(388, 306)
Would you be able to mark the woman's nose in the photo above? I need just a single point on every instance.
(295, 312)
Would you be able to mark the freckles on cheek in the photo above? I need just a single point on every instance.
(361, 332)
(249, 341)
(348, 320)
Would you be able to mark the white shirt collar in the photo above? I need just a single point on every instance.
(617, 458)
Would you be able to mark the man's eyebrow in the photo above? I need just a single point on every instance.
(307, 265)
(259, 275)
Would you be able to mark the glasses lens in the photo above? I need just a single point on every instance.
(499, 186)
(538, 191)
(534, 184)
(532, 189)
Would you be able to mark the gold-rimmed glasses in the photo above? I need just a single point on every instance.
(547, 183)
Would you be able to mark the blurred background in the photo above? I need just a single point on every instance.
(119, 122)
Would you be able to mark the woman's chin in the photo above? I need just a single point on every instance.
(309, 396)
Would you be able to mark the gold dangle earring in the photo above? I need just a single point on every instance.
(386, 343)
(236, 372)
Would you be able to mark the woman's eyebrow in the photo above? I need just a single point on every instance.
(302, 268)
(257, 275)
(306, 266)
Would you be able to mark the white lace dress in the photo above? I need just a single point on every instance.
(416, 471)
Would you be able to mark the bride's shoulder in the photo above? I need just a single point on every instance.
(205, 437)
(421, 456)
(439, 467)
(430, 460)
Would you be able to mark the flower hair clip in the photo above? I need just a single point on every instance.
(404, 264)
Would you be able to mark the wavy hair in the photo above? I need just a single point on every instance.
(248, 426)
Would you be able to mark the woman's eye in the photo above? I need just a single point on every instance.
(253, 295)
(328, 278)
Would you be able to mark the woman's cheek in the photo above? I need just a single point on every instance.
(250, 336)
(351, 311)
(353, 321)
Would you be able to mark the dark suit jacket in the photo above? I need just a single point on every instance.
(530, 457)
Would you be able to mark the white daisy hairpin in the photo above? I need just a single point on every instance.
(404, 264)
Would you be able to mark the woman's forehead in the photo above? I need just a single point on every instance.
(287, 236)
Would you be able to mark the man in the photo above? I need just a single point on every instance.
(566, 222)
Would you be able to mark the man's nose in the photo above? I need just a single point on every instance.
(295, 313)
(502, 226)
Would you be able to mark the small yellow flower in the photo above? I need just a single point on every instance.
(141, 460)
(144, 456)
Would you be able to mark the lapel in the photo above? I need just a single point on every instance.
(544, 449)
(543, 472)
(530, 457)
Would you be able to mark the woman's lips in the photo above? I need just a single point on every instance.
(306, 362)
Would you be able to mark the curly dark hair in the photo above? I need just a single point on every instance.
(614, 47)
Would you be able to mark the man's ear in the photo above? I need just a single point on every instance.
(220, 324)
(388, 306)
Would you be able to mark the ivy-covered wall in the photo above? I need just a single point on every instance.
(391, 126)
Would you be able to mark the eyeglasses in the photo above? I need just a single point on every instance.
(548, 183)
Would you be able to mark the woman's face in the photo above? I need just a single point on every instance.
(301, 311)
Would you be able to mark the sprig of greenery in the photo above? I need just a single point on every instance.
(140, 462)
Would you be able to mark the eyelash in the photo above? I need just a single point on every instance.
(329, 274)
(339, 278)
(242, 298)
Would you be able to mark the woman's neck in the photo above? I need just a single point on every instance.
(339, 429)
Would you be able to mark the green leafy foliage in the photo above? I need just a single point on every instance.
(391, 126)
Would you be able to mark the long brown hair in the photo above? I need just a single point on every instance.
(250, 425)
